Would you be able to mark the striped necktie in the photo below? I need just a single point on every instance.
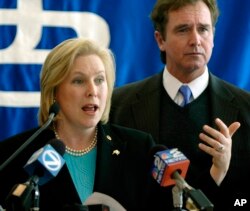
(186, 93)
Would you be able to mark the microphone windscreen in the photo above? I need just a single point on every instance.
(54, 108)
(58, 145)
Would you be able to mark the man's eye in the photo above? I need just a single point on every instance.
(203, 29)
(183, 30)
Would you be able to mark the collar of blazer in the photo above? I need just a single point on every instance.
(109, 160)
(223, 101)
(147, 105)
(108, 165)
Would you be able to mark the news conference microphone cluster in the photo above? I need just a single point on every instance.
(42, 166)
(169, 168)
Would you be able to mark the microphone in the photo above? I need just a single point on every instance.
(42, 166)
(53, 111)
(170, 167)
(47, 161)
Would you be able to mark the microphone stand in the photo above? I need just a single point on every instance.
(24, 197)
(177, 192)
(55, 107)
(196, 199)
(26, 143)
(36, 194)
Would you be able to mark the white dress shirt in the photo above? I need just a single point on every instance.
(172, 85)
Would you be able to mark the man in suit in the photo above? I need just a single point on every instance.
(203, 129)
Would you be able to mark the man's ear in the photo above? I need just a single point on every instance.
(160, 41)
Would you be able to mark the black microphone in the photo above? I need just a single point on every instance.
(42, 166)
(53, 111)
(170, 167)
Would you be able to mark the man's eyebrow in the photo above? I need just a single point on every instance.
(206, 25)
(186, 25)
(181, 26)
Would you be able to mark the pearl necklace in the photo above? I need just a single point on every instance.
(81, 152)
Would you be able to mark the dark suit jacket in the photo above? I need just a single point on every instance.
(137, 105)
(125, 177)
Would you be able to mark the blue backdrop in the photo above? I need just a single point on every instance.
(29, 29)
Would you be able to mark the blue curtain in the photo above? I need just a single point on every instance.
(28, 32)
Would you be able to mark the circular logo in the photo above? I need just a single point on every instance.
(51, 160)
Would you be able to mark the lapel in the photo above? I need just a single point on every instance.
(108, 169)
(108, 165)
(222, 101)
(146, 110)
(109, 160)
(62, 188)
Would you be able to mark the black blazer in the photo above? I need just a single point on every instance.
(125, 177)
(137, 105)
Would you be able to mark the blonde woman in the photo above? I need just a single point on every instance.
(79, 76)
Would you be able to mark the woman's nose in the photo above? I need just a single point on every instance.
(91, 89)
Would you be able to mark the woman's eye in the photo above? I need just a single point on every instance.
(99, 80)
(77, 81)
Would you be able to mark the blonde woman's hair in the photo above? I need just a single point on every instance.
(58, 65)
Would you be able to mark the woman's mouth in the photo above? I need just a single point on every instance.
(90, 107)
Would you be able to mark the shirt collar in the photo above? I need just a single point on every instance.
(172, 84)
